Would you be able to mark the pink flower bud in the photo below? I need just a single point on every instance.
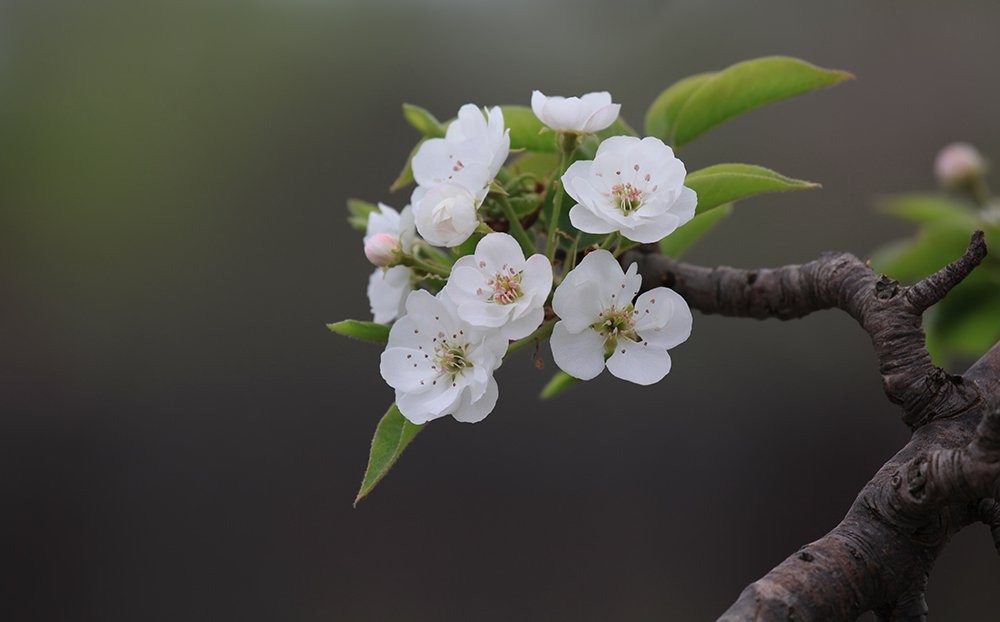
(957, 164)
(383, 249)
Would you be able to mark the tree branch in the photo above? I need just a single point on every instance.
(889, 312)
(880, 556)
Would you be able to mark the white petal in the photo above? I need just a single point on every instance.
(387, 291)
(638, 363)
(430, 313)
(651, 230)
(684, 206)
(466, 283)
(469, 411)
(577, 302)
(602, 118)
(585, 219)
(500, 252)
(615, 145)
(538, 104)
(524, 325)
(445, 401)
(580, 355)
(577, 170)
(596, 100)
(406, 369)
(485, 314)
(663, 318)
(536, 281)
(413, 406)
(383, 220)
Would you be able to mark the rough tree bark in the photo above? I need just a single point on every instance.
(880, 555)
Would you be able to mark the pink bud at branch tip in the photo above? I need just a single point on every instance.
(957, 164)
(383, 249)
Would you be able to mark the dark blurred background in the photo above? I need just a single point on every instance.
(182, 438)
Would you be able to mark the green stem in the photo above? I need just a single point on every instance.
(543, 332)
(516, 229)
(610, 240)
(625, 245)
(564, 155)
(425, 266)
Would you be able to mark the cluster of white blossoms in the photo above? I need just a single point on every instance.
(454, 174)
(455, 317)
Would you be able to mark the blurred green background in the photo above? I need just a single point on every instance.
(182, 438)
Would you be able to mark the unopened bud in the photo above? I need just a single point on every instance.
(383, 249)
(958, 164)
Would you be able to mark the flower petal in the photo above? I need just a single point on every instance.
(524, 325)
(602, 118)
(577, 302)
(580, 355)
(663, 318)
(469, 411)
(387, 291)
(406, 369)
(585, 219)
(638, 363)
(500, 253)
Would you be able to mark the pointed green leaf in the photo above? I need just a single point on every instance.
(392, 434)
(931, 209)
(745, 86)
(365, 331)
(559, 383)
(725, 183)
(678, 242)
(405, 177)
(663, 112)
(359, 213)
(424, 122)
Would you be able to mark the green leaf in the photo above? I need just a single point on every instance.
(725, 183)
(559, 383)
(745, 86)
(365, 331)
(405, 177)
(424, 122)
(392, 434)
(931, 209)
(675, 244)
(359, 213)
(663, 112)
(913, 259)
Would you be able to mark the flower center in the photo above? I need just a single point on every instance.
(452, 359)
(613, 324)
(627, 197)
(506, 286)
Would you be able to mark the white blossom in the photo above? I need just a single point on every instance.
(599, 324)
(473, 150)
(387, 291)
(587, 114)
(497, 288)
(446, 214)
(957, 164)
(633, 186)
(440, 365)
